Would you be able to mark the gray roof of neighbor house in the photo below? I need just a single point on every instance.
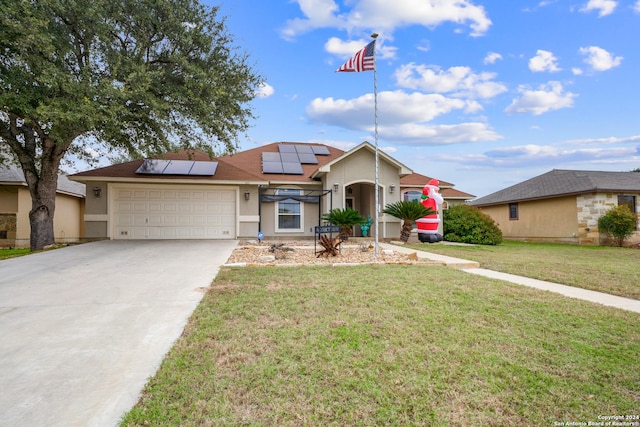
(11, 175)
(559, 182)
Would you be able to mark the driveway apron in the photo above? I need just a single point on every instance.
(82, 328)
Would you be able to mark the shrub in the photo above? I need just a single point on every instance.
(467, 224)
(346, 218)
(619, 222)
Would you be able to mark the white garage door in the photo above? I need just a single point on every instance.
(173, 212)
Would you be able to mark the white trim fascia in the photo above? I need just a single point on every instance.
(119, 180)
(301, 183)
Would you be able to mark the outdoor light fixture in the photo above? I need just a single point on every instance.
(392, 188)
(247, 195)
(349, 190)
(335, 187)
(97, 191)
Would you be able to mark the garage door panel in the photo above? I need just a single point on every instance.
(174, 213)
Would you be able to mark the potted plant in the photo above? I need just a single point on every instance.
(408, 212)
(346, 219)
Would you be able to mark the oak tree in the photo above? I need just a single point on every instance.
(129, 76)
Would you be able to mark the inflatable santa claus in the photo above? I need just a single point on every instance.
(428, 225)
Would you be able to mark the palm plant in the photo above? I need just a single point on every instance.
(408, 212)
(346, 219)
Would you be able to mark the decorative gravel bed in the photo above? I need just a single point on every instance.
(303, 252)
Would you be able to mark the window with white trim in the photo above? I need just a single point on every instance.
(290, 211)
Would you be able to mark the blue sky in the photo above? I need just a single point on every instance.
(484, 94)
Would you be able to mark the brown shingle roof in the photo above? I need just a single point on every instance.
(242, 166)
(452, 193)
(416, 179)
(251, 161)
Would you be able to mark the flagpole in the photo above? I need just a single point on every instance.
(375, 108)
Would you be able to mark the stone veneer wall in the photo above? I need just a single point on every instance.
(8, 224)
(590, 208)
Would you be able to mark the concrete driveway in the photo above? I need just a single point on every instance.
(82, 328)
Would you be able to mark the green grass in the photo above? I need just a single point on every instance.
(391, 345)
(611, 270)
(11, 253)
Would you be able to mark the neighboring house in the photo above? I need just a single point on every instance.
(411, 188)
(562, 205)
(280, 189)
(15, 205)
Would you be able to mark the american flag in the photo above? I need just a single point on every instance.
(363, 60)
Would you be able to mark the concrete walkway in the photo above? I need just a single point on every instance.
(82, 328)
(569, 291)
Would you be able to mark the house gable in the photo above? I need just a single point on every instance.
(357, 151)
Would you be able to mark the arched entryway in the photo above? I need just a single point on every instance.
(361, 197)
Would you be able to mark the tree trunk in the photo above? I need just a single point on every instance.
(405, 233)
(42, 210)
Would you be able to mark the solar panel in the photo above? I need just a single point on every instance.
(270, 157)
(292, 168)
(289, 157)
(320, 150)
(178, 167)
(286, 148)
(308, 158)
(304, 149)
(271, 167)
(204, 168)
(152, 167)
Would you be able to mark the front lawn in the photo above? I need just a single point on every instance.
(392, 345)
(12, 253)
(610, 270)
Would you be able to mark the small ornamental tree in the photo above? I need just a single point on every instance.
(620, 222)
(467, 224)
(346, 219)
(408, 212)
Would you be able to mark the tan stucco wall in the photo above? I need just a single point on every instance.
(96, 212)
(67, 220)
(248, 218)
(8, 199)
(539, 220)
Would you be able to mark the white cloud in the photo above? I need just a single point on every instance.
(403, 117)
(577, 71)
(386, 16)
(394, 108)
(605, 7)
(346, 49)
(636, 7)
(599, 59)
(459, 81)
(605, 141)
(265, 90)
(544, 61)
(546, 98)
(422, 134)
(492, 57)
(548, 156)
